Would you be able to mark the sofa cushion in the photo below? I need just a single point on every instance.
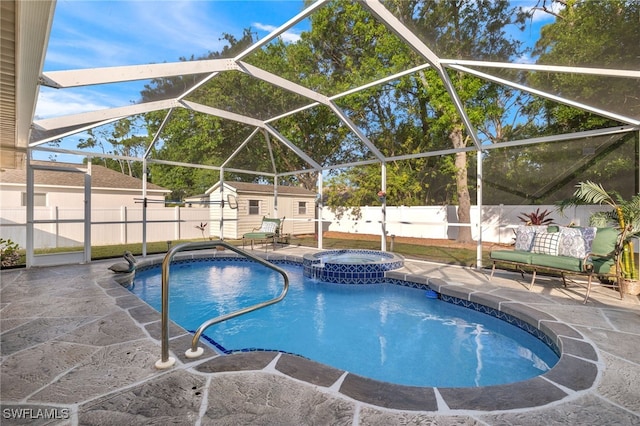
(605, 241)
(518, 256)
(602, 265)
(557, 262)
(546, 243)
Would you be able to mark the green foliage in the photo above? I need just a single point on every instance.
(416, 113)
(536, 218)
(546, 173)
(623, 213)
(9, 255)
(600, 34)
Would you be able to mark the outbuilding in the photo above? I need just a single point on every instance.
(247, 203)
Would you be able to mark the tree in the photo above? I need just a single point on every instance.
(191, 137)
(122, 138)
(416, 113)
(601, 34)
(466, 30)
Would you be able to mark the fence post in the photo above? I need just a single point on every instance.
(123, 227)
(56, 216)
(177, 224)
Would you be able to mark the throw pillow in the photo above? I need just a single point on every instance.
(525, 235)
(572, 243)
(589, 234)
(546, 243)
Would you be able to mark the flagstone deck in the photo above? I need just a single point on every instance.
(78, 348)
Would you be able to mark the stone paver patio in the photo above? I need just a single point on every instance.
(78, 348)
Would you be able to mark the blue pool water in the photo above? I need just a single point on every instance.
(382, 331)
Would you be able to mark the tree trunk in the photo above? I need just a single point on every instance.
(464, 199)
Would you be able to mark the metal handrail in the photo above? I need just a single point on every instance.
(166, 361)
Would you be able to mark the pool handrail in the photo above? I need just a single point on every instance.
(166, 361)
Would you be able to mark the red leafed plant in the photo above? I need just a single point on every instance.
(536, 218)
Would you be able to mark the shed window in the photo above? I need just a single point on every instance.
(302, 207)
(254, 206)
(39, 199)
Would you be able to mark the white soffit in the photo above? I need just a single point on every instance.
(24, 34)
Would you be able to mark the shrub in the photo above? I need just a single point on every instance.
(536, 218)
(9, 255)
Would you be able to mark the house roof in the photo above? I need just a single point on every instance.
(101, 177)
(264, 189)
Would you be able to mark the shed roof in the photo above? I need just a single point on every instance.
(264, 189)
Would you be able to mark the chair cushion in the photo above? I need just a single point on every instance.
(268, 227)
(258, 235)
(603, 265)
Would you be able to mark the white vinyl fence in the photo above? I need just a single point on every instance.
(498, 222)
(120, 225)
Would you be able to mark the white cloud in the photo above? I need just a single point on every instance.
(287, 36)
(539, 15)
(180, 28)
(56, 103)
(525, 58)
(100, 34)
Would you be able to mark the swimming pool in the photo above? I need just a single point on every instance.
(402, 336)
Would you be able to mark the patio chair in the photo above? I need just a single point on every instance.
(269, 231)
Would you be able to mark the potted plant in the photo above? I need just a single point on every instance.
(536, 218)
(624, 214)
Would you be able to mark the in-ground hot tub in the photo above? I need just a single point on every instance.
(350, 266)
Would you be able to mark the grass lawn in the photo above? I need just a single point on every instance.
(423, 249)
(429, 250)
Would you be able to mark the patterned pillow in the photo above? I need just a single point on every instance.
(268, 227)
(572, 243)
(589, 234)
(546, 243)
(525, 235)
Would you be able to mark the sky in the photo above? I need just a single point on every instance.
(91, 34)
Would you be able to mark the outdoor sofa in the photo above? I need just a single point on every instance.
(575, 251)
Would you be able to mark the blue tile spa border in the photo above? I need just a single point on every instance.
(333, 266)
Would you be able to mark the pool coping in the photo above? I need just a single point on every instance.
(576, 370)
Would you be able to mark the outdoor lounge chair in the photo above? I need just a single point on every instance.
(268, 231)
